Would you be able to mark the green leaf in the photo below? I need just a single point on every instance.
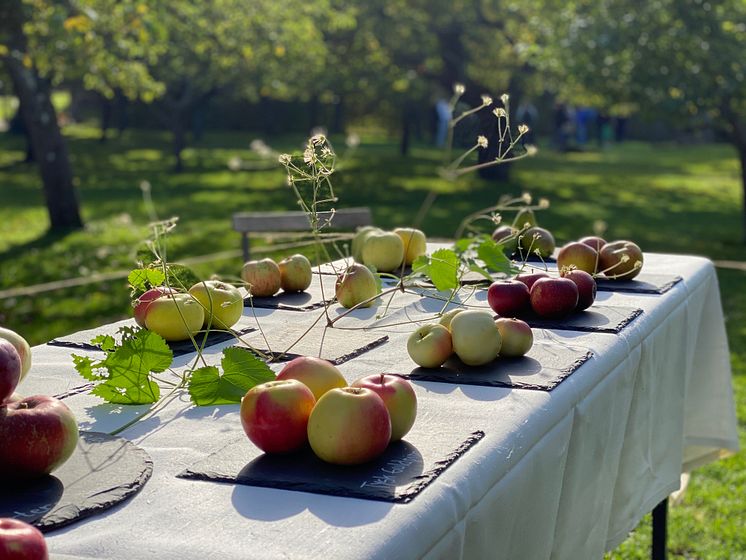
(463, 244)
(105, 341)
(443, 269)
(84, 366)
(493, 257)
(242, 370)
(142, 279)
(474, 267)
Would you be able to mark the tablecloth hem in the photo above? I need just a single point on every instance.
(721, 450)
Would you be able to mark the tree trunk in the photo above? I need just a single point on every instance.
(40, 118)
(106, 110)
(178, 128)
(742, 158)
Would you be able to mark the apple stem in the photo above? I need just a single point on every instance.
(381, 380)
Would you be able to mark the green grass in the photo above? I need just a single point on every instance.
(667, 198)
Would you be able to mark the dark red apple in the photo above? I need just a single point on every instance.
(620, 260)
(399, 397)
(530, 278)
(10, 369)
(586, 287)
(21, 541)
(579, 255)
(38, 434)
(517, 337)
(507, 237)
(554, 297)
(508, 298)
(594, 241)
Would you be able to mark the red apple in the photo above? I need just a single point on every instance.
(275, 415)
(262, 277)
(507, 237)
(620, 260)
(295, 273)
(508, 298)
(10, 369)
(398, 396)
(142, 303)
(38, 434)
(517, 337)
(21, 346)
(430, 345)
(349, 426)
(318, 375)
(531, 277)
(586, 287)
(579, 255)
(594, 242)
(554, 297)
(21, 541)
(536, 239)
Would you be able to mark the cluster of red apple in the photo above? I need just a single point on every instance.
(616, 260)
(265, 277)
(474, 336)
(21, 541)
(176, 315)
(38, 433)
(310, 403)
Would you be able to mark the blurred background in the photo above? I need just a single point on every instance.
(114, 114)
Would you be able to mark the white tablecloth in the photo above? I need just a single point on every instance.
(560, 474)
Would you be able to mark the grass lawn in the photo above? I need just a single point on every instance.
(667, 198)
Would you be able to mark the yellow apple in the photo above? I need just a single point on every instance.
(415, 243)
(383, 250)
(175, 317)
(356, 285)
(262, 277)
(476, 339)
(295, 273)
(222, 303)
(318, 375)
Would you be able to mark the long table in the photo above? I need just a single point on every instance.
(566, 473)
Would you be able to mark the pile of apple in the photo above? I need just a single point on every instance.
(473, 335)
(524, 237)
(386, 251)
(37, 434)
(617, 260)
(310, 403)
(265, 277)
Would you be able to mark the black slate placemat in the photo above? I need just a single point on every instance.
(597, 318)
(312, 298)
(103, 471)
(543, 368)
(82, 340)
(404, 470)
(643, 283)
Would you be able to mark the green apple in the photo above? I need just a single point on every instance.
(516, 335)
(448, 316)
(349, 426)
(175, 316)
(537, 239)
(358, 241)
(476, 340)
(579, 255)
(295, 273)
(620, 260)
(21, 346)
(262, 277)
(384, 251)
(356, 285)
(222, 303)
(415, 243)
(318, 375)
(399, 397)
(525, 219)
(430, 345)
(507, 237)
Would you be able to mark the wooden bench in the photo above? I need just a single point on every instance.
(270, 222)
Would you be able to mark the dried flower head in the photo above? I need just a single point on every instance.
(531, 150)
(505, 98)
(499, 112)
(318, 139)
(543, 203)
(523, 128)
(234, 163)
(482, 141)
(459, 88)
(309, 156)
(352, 140)
(526, 198)
(284, 159)
(486, 100)
(145, 186)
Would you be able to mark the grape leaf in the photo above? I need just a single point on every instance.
(474, 267)
(123, 376)
(242, 370)
(441, 267)
(142, 279)
(493, 257)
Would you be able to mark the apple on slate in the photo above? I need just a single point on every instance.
(358, 241)
(142, 303)
(21, 541)
(21, 346)
(295, 273)
(536, 239)
(506, 236)
(10, 369)
(383, 250)
(476, 340)
(415, 243)
(517, 337)
(262, 277)
(577, 254)
(349, 426)
(222, 303)
(399, 397)
(593, 241)
(175, 317)
(586, 286)
(38, 433)
(448, 316)
(554, 297)
(275, 414)
(620, 260)
(430, 345)
(531, 277)
(318, 375)
(356, 285)
(508, 298)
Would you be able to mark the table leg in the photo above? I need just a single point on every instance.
(660, 522)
